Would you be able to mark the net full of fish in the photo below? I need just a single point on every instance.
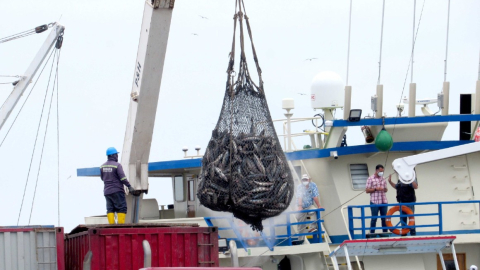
(244, 170)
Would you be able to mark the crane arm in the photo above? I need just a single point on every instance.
(26, 79)
(405, 166)
(146, 83)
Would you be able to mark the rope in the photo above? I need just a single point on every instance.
(406, 75)
(381, 44)
(33, 87)
(7, 82)
(16, 76)
(58, 144)
(446, 47)
(43, 144)
(349, 32)
(36, 138)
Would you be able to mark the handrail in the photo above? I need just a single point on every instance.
(363, 217)
(271, 240)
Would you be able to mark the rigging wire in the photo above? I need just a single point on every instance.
(349, 32)
(58, 143)
(33, 87)
(44, 140)
(446, 47)
(406, 75)
(36, 137)
(36, 30)
(381, 44)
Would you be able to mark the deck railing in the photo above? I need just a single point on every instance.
(269, 237)
(438, 225)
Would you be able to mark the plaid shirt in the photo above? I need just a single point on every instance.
(377, 197)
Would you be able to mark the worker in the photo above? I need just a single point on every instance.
(113, 177)
(307, 195)
(406, 194)
(377, 187)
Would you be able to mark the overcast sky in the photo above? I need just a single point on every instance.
(97, 64)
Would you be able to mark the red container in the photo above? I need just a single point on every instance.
(120, 246)
(201, 268)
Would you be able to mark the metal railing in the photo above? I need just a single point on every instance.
(400, 225)
(269, 237)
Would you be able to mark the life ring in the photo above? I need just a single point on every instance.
(411, 220)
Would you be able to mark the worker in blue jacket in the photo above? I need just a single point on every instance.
(113, 177)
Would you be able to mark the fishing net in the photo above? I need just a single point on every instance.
(244, 170)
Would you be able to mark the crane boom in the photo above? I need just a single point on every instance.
(404, 166)
(26, 79)
(147, 79)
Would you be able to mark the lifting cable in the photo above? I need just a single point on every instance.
(410, 62)
(57, 54)
(36, 30)
(58, 143)
(38, 128)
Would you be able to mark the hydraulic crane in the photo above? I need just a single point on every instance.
(146, 83)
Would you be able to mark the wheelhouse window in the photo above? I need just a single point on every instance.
(359, 175)
(191, 190)
(178, 188)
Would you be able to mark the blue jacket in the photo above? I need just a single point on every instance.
(113, 176)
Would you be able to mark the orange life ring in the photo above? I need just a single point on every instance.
(411, 220)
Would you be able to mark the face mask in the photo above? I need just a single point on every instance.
(305, 183)
(380, 174)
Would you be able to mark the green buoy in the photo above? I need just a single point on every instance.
(384, 141)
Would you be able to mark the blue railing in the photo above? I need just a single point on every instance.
(400, 225)
(268, 237)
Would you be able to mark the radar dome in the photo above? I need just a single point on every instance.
(327, 91)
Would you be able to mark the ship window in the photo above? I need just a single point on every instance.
(359, 176)
(178, 188)
(191, 190)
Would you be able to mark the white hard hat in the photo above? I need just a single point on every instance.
(473, 267)
(305, 176)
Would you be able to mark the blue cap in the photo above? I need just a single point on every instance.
(111, 151)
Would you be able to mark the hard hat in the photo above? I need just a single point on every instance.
(473, 267)
(305, 176)
(111, 151)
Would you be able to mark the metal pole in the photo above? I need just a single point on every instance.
(441, 259)
(455, 257)
(334, 262)
(381, 43)
(147, 254)
(289, 132)
(234, 253)
(413, 40)
(349, 265)
(349, 31)
(446, 48)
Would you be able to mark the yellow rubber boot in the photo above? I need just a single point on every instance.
(121, 218)
(111, 218)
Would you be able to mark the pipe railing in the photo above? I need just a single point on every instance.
(363, 217)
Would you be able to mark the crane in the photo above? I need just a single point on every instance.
(146, 84)
(405, 166)
(55, 37)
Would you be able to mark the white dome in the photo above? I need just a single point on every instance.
(327, 91)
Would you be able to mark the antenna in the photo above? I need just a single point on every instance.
(446, 49)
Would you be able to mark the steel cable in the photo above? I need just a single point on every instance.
(36, 138)
(44, 140)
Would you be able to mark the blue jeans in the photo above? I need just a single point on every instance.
(373, 221)
(116, 202)
(405, 219)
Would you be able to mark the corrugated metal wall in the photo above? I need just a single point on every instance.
(30, 248)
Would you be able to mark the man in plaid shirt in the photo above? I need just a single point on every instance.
(377, 187)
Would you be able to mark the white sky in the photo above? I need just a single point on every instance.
(97, 64)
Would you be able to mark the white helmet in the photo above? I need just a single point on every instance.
(473, 267)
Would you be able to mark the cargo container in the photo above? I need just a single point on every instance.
(32, 247)
(121, 246)
(201, 268)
